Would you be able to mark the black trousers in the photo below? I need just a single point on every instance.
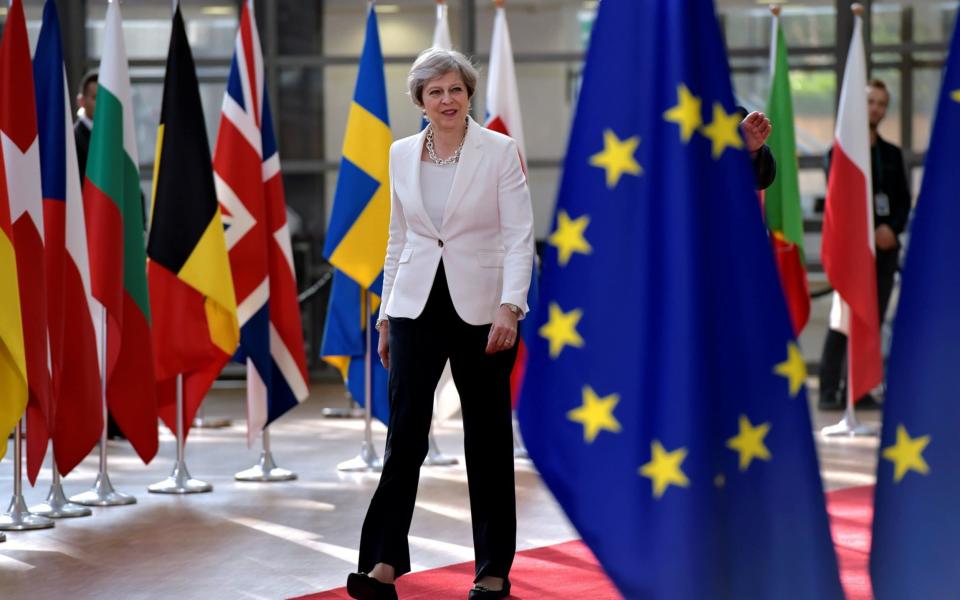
(419, 349)
(834, 357)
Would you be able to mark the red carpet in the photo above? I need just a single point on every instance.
(569, 571)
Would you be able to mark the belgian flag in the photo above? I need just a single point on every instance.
(195, 330)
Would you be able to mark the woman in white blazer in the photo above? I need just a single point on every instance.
(455, 283)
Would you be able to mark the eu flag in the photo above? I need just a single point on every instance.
(664, 403)
(916, 535)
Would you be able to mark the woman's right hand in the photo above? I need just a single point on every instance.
(383, 348)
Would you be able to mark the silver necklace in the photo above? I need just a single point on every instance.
(431, 150)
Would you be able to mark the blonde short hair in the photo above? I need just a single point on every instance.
(437, 62)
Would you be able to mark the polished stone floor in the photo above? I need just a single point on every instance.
(271, 541)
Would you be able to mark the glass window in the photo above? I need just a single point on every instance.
(305, 207)
(406, 26)
(814, 98)
(297, 113)
(885, 21)
(211, 28)
(748, 26)
(933, 21)
(300, 24)
(926, 90)
(540, 26)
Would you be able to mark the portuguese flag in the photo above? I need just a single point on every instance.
(782, 198)
(195, 330)
(113, 207)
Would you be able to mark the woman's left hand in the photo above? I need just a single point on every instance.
(503, 332)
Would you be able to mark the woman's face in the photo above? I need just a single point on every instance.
(445, 100)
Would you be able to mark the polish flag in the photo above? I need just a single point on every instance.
(848, 241)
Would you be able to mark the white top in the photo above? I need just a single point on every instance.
(435, 184)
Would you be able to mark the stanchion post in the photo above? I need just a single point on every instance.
(56, 506)
(368, 460)
(102, 492)
(180, 481)
(266, 469)
(17, 517)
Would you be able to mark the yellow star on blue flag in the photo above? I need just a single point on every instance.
(663, 401)
(916, 537)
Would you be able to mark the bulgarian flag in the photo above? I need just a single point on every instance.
(848, 245)
(114, 211)
(782, 199)
(503, 115)
(21, 163)
(75, 419)
(13, 362)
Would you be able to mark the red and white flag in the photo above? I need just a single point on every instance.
(503, 101)
(21, 162)
(503, 115)
(847, 250)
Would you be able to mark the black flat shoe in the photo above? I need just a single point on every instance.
(481, 593)
(363, 587)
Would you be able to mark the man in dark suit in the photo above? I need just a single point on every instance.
(891, 209)
(86, 107)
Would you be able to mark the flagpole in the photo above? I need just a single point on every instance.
(266, 469)
(368, 460)
(179, 481)
(56, 506)
(102, 493)
(17, 517)
(849, 425)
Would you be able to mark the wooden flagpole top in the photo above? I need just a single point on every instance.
(499, 3)
(775, 9)
(857, 9)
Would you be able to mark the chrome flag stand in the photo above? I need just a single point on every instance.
(179, 480)
(849, 425)
(17, 517)
(519, 450)
(102, 492)
(56, 505)
(266, 469)
(367, 461)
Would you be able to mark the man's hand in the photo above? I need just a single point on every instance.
(503, 332)
(756, 128)
(885, 237)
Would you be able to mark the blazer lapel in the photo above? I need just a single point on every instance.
(412, 166)
(470, 158)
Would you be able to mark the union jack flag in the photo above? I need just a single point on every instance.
(246, 168)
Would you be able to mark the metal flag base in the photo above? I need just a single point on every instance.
(519, 450)
(342, 413)
(18, 518)
(266, 470)
(180, 482)
(366, 462)
(58, 507)
(850, 426)
(212, 423)
(103, 494)
(436, 457)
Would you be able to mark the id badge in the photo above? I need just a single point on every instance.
(881, 203)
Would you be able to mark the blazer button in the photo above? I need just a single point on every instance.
(440, 243)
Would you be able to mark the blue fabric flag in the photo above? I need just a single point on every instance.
(916, 535)
(344, 341)
(675, 432)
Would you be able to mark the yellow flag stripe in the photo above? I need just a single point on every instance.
(367, 143)
(13, 363)
(156, 170)
(207, 270)
(361, 251)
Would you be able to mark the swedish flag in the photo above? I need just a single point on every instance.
(676, 435)
(357, 236)
(916, 535)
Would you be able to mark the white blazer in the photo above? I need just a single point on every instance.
(485, 238)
